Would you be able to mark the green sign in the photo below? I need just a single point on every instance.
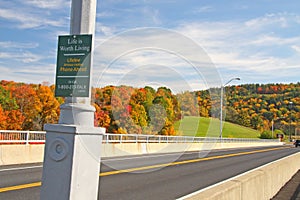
(73, 66)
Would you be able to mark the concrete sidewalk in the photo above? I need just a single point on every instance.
(291, 190)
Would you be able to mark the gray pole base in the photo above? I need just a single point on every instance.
(77, 114)
(71, 162)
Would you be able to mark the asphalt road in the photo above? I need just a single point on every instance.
(158, 176)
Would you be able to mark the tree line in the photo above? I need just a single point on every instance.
(125, 109)
(263, 107)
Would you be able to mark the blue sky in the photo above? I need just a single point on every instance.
(257, 40)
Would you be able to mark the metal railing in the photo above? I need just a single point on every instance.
(38, 137)
(22, 137)
(138, 138)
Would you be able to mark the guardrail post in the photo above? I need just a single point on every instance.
(27, 137)
(107, 138)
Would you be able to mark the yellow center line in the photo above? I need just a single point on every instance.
(19, 187)
(37, 184)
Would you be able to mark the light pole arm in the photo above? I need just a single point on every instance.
(231, 80)
(221, 105)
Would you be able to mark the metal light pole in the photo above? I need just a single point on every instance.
(272, 128)
(73, 146)
(221, 105)
(290, 107)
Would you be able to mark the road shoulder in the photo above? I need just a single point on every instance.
(291, 190)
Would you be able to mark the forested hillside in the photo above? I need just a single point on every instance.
(258, 106)
(124, 109)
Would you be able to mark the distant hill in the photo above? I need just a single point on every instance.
(257, 106)
(210, 127)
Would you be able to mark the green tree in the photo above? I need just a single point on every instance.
(244, 118)
(187, 103)
(6, 101)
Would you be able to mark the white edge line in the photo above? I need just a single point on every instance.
(20, 168)
(209, 187)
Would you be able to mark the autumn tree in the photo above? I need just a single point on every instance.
(29, 105)
(14, 120)
(102, 118)
(49, 107)
(204, 103)
(138, 111)
(187, 103)
(3, 119)
(167, 100)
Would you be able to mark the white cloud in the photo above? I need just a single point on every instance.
(16, 45)
(21, 56)
(105, 14)
(250, 48)
(271, 40)
(29, 74)
(28, 19)
(203, 9)
(105, 30)
(49, 4)
(282, 20)
(296, 48)
(236, 47)
(152, 14)
(159, 48)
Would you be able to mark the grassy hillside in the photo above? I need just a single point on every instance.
(210, 127)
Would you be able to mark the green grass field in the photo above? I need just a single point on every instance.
(210, 127)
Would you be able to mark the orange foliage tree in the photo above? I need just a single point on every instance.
(49, 106)
(29, 105)
(3, 118)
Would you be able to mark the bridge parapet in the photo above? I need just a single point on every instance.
(33, 153)
(261, 183)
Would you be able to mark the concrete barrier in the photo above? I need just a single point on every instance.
(260, 184)
(20, 154)
(111, 150)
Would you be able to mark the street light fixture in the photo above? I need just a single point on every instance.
(221, 105)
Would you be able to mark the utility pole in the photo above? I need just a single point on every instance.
(73, 146)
